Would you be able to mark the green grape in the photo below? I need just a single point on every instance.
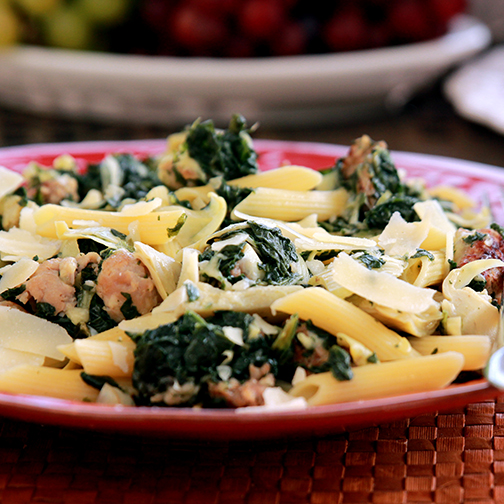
(106, 12)
(37, 7)
(9, 26)
(68, 29)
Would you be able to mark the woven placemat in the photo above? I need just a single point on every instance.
(448, 458)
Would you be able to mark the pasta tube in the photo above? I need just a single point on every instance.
(48, 382)
(475, 348)
(293, 205)
(419, 374)
(336, 315)
(153, 227)
(293, 178)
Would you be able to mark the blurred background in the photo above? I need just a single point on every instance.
(406, 71)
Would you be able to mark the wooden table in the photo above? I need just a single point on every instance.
(448, 457)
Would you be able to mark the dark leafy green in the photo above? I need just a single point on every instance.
(99, 319)
(379, 216)
(128, 309)
(97, 381)
(136, 178)
(474, 237)
(225, 153)
(423, 253)
(276, 253)
(189, 354)
(370, 176)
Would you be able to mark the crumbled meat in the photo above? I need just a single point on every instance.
(56, 190)
(250, 393)
(359, 151)
(85, 260)
(491, 246)
(47, 286)
(310, 358)
(121, 273)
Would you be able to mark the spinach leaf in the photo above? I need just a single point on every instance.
(187, 350)
(370, 261)
(276, 254)
(379, 216)
(134, 176)
(12, 294)
(128, 309)
(97, 381)
(99, 319)
(225, 153)
(338, 363)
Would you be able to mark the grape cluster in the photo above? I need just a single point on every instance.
(225, 28)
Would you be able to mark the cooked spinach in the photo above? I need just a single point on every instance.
(188, 355)
(376, 190)
(478, 283)
(276, 254)
(379, 216)
(339, 363)
(188, 350)
(226, 153)
(97, 381)
(12, 294)
(371, 261)
(128, 309)
(99, 319)
(497, 228)
(233, 195)
(134, 176)
(192, 291)
(423, 253)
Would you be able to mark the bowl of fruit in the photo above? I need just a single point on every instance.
(281, 62)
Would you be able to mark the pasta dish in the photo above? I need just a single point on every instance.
(192, 279)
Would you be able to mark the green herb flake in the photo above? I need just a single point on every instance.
(193, 293)
(174, 231)
(473, 238)
(423, 253)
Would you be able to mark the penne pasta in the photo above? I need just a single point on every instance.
(336, 315)
(291, 178)
(418, 374)
(47, 381)
(476, 349)
(153, 227)
(293, 205)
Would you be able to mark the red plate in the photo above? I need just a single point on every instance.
(483, 182)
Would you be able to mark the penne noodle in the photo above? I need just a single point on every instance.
(47, 381)
(293, 205)
(476, 349)
(418, 374)
(105, 358)
(292, 178)
(335, 315)
(153, 227)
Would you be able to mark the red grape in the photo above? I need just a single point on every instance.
(261, 19)
(197, 30)
(444, 10)
(346, 30)
(291, 39)
(409, 20)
